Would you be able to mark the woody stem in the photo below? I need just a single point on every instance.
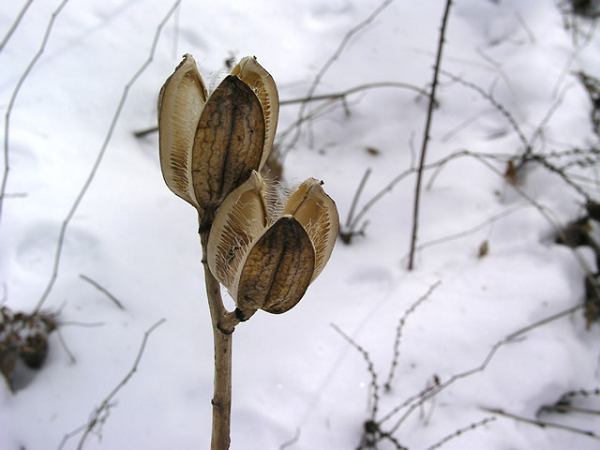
(221, 401)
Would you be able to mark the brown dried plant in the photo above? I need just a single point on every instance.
(264, 249)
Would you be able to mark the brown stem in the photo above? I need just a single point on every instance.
(438, 60)
(221, 402)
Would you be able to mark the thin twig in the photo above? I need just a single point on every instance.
(347, 92)
(526, 27)
(542, 322)
(350, 232)
(291, 441)
(538, 131)
(558, 228)
(359, 190)
(13, 99)
(440, 387)
(465, 123)
(398, 178)
(548, 215)
(370, 369)
(331, 96)
(340, 49)
(100, 156)
(573, 57)
(103, 290)
(69, 435)
(542, 424)
(501, 109)
(489, 221)
(61, 339)
(462, 431)
(145, 131)
(583, 393)
(322, 109)
(429, 393)
(438, 60)
(99, 414)
(15, 24)
(570, 409)
(400, 327)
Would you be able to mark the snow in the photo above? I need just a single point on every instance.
(295, 378)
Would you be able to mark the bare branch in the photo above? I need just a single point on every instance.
(417, 201)
(462, 431)
(573, 57)
(543, 424)
(103, 290)
(347, 92)
(400, 327)
(15, 24)
(501, 109)
(489, 221)
(340, 49)
(13, 99)
(350, 232)
(331, 97)
(428, 393)
(370, 369)
(99, 414)
(99, 157)
(291, 441)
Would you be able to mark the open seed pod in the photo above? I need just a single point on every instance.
(269, 266)
(317, 213)
(278, 269)
(180, 104)
(241, 219)
(209, 145)
(262, 84)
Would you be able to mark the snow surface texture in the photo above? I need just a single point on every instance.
(296, 379)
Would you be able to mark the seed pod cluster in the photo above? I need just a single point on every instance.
(265, 251)
(210, 144)
(267, 262)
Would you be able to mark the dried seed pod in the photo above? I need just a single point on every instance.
(209, 145)
(229, 142)
(241, 219)
(317, 213)
(180, 105)
(261, 82)
(277, 270)
(265, 266)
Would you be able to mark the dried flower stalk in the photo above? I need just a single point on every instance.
(212, 148)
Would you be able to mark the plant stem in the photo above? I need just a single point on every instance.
(221, 401)
(438, 59)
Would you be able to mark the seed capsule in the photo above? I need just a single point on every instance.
(261, 82)
(241, 219)
(209, 145)
(180, 104)
(229, 142)
(269, 266)
(317, 213)
(278, 269)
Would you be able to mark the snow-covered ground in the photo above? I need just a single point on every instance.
(296, 379)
